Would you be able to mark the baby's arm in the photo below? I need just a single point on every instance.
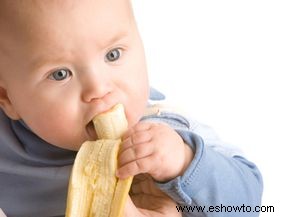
(216, 177)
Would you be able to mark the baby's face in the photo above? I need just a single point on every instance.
(63, 62)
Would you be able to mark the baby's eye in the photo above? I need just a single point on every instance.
(60, 74)
(113, 55)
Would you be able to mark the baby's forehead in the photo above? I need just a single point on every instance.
(20, 14)
(50, 25)
(30, 5)
(28, 14)
(17, 9)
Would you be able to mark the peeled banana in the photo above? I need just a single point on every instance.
(94, 190)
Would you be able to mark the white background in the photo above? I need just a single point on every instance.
(227, 63)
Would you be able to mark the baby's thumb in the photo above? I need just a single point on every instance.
(2, 213)
(130, 209)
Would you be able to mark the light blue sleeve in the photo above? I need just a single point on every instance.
(218, 179)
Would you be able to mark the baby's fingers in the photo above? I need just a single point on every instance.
(136, 139)
(136, 166)
(134, 153)
(139, 127)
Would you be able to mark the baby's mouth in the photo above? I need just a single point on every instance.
(91, 131)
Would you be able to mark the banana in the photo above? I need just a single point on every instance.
(94, 190)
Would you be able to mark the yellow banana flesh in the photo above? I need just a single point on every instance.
(94, 190)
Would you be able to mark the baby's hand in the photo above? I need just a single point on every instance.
(2, 213)
(147, 200)
(153, 148)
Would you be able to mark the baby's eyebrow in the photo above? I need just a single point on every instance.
(47, 57)
(115, 37)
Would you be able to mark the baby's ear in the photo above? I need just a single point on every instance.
(6, 105)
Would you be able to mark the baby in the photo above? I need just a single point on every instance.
(64, 61)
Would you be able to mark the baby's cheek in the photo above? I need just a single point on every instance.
(60, 133)
(136, 111)
(133, 117)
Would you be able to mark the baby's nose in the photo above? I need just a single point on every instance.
(96, 87)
